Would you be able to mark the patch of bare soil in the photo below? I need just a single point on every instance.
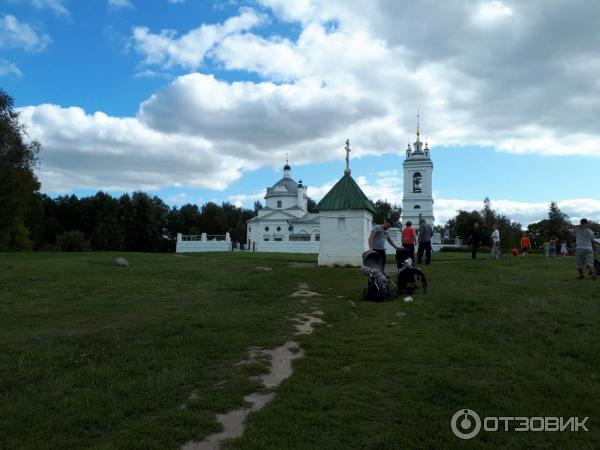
(303, 291)
(281, 358)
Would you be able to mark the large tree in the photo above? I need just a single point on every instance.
(18, 183)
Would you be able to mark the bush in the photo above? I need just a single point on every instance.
(73, 241)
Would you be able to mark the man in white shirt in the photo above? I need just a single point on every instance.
(584, 248)
(496, 252)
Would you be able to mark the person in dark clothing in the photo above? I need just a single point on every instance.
(425, 235)
(475, 240)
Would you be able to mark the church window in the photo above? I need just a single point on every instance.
(417, 182)
(290, 228)
(279, 203)
(250, 229)
(317, 237)
(341, 224)
(417, 206)
(299, 237)
(266, 228)
(278, 228)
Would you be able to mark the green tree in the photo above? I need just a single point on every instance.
(18, 183)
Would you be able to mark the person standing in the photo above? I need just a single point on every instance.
(563, 249)
(379, 235)
(425, 235)
(409, 239)
(496, 252)
(553, 242)
(525, 244)
(475, 240)
(584, 248)
(546, 247)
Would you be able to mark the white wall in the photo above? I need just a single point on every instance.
(344, 245)
(203, 245)
(288, 247)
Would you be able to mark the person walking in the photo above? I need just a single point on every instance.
(379, 235)
(525, 244)
(546, 247)
(409, 239)
(425, 235)
(496, 251)
(584, 248)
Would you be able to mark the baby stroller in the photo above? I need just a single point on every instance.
(380, 286)
(409, 277)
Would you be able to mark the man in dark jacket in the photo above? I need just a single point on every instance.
(425, 235)
(475, 240)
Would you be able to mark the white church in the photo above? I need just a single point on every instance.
(339, 231)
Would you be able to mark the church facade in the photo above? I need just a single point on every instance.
(284, 224)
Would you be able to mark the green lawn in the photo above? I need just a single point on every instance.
(96, 356)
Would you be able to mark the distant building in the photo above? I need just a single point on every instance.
(284, 224)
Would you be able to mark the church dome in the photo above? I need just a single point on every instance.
(285, 186)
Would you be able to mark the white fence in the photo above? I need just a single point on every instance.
(203, 243)
(286, 246)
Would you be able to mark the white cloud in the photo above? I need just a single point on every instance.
(240, 200)
(15, 34)
(120, 4)
(357, 70)
(176, 1)
(189, 50)
(56, 6)
(490, 12)
(96, 151)
(7, 67)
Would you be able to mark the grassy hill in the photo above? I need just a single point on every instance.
(106, 357)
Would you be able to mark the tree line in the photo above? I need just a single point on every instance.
(554, 226)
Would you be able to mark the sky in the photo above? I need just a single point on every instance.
(197, 100)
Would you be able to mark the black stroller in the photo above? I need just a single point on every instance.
(380, 286)
(409, 277)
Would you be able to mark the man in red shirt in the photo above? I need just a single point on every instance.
(525, 245)
(409, 239)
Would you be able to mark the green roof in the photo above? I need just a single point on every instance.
(346, 195)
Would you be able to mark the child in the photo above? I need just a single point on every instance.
(515, 252)
(546, 246)
(563, 249)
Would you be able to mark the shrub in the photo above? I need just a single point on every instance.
(73, 241)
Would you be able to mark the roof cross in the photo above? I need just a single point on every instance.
(347, 148)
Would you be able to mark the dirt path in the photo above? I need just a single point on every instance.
(281, 359)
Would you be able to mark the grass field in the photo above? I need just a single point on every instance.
(96, 356)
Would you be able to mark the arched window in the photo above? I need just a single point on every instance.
(266, 228)
(417, 206)
(417, 182)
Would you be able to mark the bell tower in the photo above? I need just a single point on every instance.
(417, 200)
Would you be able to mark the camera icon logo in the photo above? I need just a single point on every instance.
(465, 424)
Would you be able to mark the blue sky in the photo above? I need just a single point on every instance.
(198, 100)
